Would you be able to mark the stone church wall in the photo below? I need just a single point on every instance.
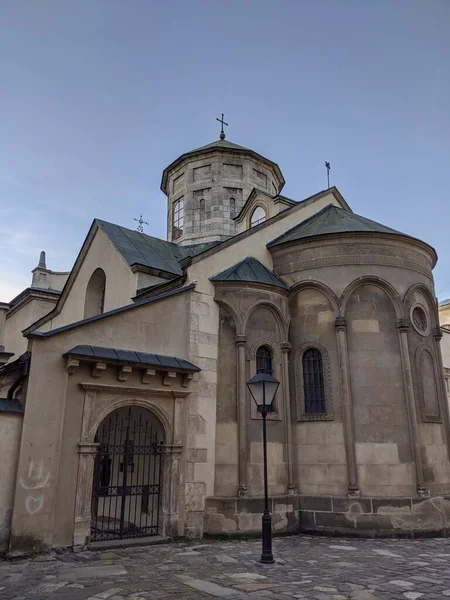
(46, 484)
(321, 466)
(10, 432)
(382, 441)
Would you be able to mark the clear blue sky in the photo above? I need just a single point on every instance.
(98, 96)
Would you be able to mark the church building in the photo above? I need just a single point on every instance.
(124, 409)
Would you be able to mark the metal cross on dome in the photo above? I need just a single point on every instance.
(222, 133)
(141, 223)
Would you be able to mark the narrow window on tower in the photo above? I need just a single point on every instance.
(177, 219)
(258, 216)
(232, 207)
(201, 206)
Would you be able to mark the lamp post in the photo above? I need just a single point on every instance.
(263, 388)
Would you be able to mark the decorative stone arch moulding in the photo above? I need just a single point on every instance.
(319, 286)
(237, 320)
(431, 310)
(424, 332)
(299, 389)
(282, 322)
(428, 416)
(378, 282)
(99, 416)
(274, 346)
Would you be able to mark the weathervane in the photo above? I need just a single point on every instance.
(141, 223)
(222, 133)
(328, 166)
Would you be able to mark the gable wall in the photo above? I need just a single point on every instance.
(150, 328)
(25, 316)
(120, 282)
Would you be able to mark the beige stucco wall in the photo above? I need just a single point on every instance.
(445, 348)
(120, 282)
(19, 320)
(148, 328)
(10, 430)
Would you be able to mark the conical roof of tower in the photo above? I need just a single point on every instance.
(222, 145)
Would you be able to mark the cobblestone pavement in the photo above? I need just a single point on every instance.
(306, 567)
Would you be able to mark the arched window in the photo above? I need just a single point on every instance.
(177, 219)
(264, 360)
(313, 382)
(232, 207)
(258, 216)
(94, 303)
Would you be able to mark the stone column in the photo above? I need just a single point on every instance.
(437, 334)
(347, 405)
(82, 528)
(285, 347)
(170, 525)
(241, 414)
(403, 326)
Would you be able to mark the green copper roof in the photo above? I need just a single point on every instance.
(221, 144)
(331, 219)
(250, 270)
(141, 249)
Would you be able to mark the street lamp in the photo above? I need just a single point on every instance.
(263, 388)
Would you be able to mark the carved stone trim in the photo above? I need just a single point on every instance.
(113, 389)
(98, 368)
(300, 393)
(274, 346)
(437, 334)
(123, 372)
(72, 365)
(403, 325)
(426, 417)
(285, 346)
(147, 375)
(241, 339)
(88, 448)
(340, 323)
(353, 259)
(168, 377)
(423, 332)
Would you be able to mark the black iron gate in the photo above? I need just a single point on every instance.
(127, 477)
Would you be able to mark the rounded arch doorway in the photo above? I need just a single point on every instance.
(126, 491)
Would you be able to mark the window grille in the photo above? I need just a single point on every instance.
(264, 360)
(313, 382)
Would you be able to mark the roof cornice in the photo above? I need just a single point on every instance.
(205, 150)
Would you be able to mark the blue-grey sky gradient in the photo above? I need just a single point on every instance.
(98, 96)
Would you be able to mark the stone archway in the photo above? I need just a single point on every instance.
(127, 477)
(166, 409)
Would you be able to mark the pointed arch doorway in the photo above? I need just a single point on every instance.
(127, 480)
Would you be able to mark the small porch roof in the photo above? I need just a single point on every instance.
(131, 357)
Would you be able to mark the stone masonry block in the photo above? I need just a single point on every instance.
(226, 453)
(333, 454)
(197, 424)
(373, 475)
(316, 474)
(197, 455)
(308, 454)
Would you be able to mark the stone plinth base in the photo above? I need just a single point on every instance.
(331, 515)
(240, 516)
